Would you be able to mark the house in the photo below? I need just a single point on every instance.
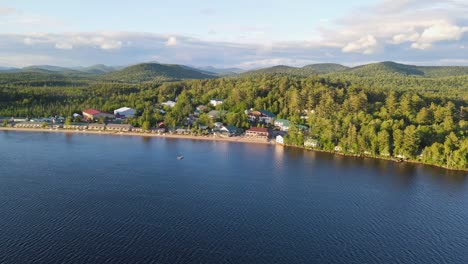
(230, 130)
(169, 103)
(216, 101)
(282, 124)
(266, 116)
(280, 140)
(217, 114)
(202, 108)
(125, 112)
(20, 119)
(260, 116)
(119, 127)
(76, 126)
(7, 119)
(257, 132)
(218, 125)
(28, 125)
(159, 131)
(95, 126)
(182, 131)
(302, 128)
(93, 114)
(311, 143)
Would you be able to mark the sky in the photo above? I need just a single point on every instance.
(241, 33)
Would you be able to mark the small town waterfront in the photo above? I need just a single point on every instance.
(88, 198)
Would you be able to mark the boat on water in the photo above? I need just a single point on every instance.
(180, 157)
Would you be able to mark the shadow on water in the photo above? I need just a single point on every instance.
(402, 174)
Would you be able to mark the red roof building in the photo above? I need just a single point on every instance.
(257, 132)
(92, 114)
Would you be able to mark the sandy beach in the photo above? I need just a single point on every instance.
(239, 139)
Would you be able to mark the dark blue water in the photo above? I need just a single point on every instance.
(88, 198)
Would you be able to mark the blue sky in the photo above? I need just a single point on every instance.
(241, 33)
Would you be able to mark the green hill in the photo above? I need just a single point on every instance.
(154, 71)
(326, 67)
(388, 68)
(47, 68)
(282, 69)
(98, 69)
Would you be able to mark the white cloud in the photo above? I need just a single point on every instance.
(421, 45)
(171, 41)
(364, 45)
(7, 10)
(402, 38)
(110, 45)
(64, 46)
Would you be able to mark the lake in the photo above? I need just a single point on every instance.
(73, 198)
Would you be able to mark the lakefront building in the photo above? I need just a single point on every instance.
(125, 112)
(93, 114)
(259, 132)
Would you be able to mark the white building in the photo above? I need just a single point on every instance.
(311, 143)
(125, 111)
(215, 102)
(280, 140)
(169, 103)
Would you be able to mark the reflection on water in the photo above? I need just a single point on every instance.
(79, 198)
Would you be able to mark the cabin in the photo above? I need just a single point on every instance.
(182, 131)
(93, 114)
(7, 119)
(95, 126)
(261, 116)
(282, 124)
(28, 125)
(216, 101)
(169, 103)
(20, 119)
(125, 112)
(159, 131)
(259, 132)
(280, 140)
(119, 127)
(76, 126)
(230, 130)
(311, 143)
(216, 114)
(202, 108)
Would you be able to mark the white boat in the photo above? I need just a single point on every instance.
(180, 157)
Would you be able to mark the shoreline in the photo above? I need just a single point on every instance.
(212, 138)
(142, 134)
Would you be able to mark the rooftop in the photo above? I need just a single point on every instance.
(267, 113)
(123, 109)
(258, 129)
(91, 111)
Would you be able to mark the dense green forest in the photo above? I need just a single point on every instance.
(387, 115)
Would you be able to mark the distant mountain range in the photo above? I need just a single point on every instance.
(156, 71)
(368, 70)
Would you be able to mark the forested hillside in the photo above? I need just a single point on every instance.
(417, 118)
(154, 71)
